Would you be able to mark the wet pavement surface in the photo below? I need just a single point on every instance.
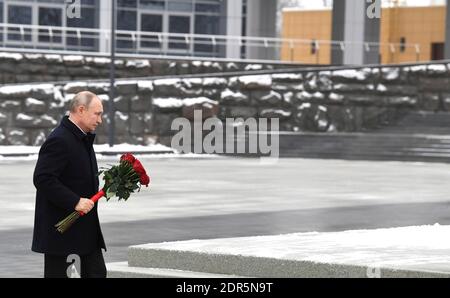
(233, 197)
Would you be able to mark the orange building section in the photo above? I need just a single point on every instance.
(307, 26)
(424, 26)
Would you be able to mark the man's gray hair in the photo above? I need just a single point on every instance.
(83, 98)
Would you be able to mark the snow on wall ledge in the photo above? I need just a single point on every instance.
(319, 101)
(24, 68)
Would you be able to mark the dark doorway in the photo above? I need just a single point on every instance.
(437, 51)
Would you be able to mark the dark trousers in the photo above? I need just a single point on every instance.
(91, 265)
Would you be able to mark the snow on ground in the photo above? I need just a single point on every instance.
(131, 148)
(403, 247)
(19, 149)
(104, 152)
(16, 150)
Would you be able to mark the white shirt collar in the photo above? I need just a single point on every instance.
(78, 126)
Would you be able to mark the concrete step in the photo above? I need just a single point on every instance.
(269, 257)
(122, 270)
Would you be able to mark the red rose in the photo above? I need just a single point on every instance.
(145, 180)
(128, 157)
(137, 166)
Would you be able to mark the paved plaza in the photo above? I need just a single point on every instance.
(204, 198)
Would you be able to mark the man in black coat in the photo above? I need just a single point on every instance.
(65, 178)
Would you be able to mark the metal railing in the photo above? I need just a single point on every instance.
(140, 43)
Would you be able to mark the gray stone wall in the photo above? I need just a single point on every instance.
(22, 68)
(345, 100)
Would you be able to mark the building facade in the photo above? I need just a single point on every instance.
(144, 26)
(406, 34)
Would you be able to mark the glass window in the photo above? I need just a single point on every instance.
(18, 14)
(150, 4)
(49, 1)
(67, 2)
(50, 16)
(206, 25)
(127, 3)
(1, 20)
(180, 6)
(151, 23)
(209, 8)
(179, 24)
(126, 20)
(88, 19)
(89, 2)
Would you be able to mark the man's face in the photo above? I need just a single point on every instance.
(91, 117)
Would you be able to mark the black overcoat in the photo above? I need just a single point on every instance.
(66, 170)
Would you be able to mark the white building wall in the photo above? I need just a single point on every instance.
(355, 14)
(261, 22)
(105, 23)
(234, 26)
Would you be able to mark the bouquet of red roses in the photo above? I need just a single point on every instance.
(120, 181)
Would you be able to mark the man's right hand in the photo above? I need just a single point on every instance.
(84, 205)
